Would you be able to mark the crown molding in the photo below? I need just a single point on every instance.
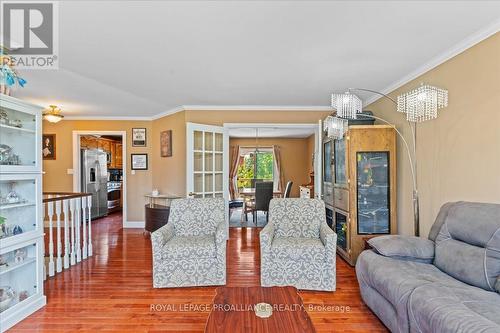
(455, 50)
(168, 112)
(255, 108)
(106, 118)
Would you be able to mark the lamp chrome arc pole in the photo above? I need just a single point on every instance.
(413, 160)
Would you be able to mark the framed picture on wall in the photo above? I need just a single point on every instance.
(166, 143)
(139, 161)
(138, 137)
(49, 146)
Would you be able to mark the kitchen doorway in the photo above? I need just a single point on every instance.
(99, 167)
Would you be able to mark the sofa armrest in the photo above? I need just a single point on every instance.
(266, 237)
(161, 236)
(408, 248)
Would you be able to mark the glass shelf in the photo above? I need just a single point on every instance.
(18, 211)
(15, 264)
(18, 138)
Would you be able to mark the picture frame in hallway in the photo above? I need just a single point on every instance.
(166, 143)
(139, 161)
(49, 146)
(138, 137)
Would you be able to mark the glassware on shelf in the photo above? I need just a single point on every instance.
(4, 117)
(7, 295)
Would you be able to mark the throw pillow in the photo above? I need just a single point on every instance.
(404, 247)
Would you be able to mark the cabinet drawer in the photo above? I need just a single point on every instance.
(341, 199)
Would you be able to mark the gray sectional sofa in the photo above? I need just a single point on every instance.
(449, 282)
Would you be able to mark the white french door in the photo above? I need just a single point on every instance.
(207, 174)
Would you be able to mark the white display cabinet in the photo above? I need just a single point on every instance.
(20, 136)
(21, 219)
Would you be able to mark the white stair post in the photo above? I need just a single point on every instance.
(58, 233)
(50, 212)
(89, 201)
(72, 255)
(84, 229)
(66, 234)
(78, 213)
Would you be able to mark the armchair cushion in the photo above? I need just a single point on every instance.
(297, 217)
(189, 247)
(308, 249)
(404, 247)
(196, 217)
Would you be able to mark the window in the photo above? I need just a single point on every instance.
(255, 165)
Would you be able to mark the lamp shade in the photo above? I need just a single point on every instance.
(422, 103)
(347, 105)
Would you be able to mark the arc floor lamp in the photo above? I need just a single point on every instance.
(420, 104)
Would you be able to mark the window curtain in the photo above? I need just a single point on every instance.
(233, 172)
(277, 162)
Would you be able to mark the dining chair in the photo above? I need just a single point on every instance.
(288, 189)
(263, 195)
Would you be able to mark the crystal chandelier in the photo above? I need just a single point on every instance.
(347, 105)
(53, 115)
(422, 103)
(336, 127)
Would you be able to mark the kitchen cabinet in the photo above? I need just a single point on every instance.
(118, 156)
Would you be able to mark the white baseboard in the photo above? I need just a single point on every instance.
(134, 224)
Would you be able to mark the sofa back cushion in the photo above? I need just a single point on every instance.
(468, 243)
(196, 217)
(297, 217)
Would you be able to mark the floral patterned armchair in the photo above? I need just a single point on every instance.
(297, 246)
(190, 250)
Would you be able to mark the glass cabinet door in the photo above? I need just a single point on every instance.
(19, 276)
(340, 162)
(19, 141)
(373, 192)
(18, 205)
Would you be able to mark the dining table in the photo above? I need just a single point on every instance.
(249, 192)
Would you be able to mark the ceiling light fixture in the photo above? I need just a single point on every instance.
(53, 115)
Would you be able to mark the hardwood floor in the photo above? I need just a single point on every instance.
(112, 291)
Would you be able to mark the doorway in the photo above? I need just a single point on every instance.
(99, 167)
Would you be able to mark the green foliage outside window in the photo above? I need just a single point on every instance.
(262, 169)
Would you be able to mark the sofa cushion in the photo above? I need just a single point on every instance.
(297, 217)
(468, 244)
(395, 279)
(404, 247)
(441, 308)
(191, 247)
(306, 249)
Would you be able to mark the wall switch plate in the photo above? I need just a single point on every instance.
(132, 172)
(70, 171)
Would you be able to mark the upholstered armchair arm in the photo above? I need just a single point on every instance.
(220, 237)
(266, 238)
(408, 248)
(328, 238)
(161, 236)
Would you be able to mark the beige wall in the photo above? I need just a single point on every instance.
(170, 172)
(295, 160)
(309, 153)
(56, 177)
(459, 152)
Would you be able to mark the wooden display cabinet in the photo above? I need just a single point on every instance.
(364, 187)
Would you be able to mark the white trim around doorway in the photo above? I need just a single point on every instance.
(76, 170)
(314, 126)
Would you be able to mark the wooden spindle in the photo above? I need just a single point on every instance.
(66, 234)
(78, 219)
(50, 212)
(58, 236)
(72, 255)
(90, 226)
(84, 229)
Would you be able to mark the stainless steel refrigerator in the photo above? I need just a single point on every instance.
(94, 174)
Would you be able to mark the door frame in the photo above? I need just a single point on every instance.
(317, 140)
(76, 166)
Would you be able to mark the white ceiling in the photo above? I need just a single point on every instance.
(272, 132)
(142, 58)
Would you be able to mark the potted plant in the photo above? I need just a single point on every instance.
(8, 75)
